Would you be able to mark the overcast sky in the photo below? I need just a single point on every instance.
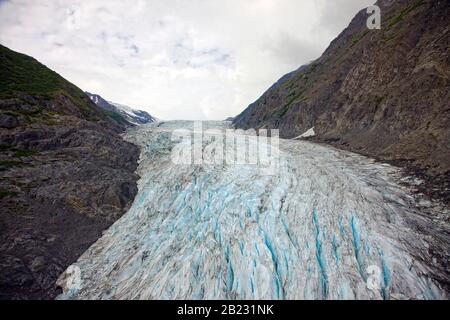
(177, 59)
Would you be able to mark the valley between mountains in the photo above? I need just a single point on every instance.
(92, 205)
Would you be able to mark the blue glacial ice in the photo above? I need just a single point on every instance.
(314, 230)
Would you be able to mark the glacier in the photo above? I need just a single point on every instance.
(329, 224)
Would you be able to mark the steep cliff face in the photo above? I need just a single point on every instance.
(65, 175)
(383, 93)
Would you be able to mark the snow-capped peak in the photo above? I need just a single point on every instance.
(130, 115)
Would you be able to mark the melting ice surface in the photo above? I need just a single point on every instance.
(329, 225)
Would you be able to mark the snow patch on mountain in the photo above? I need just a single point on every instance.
(308, 133)
(131, 115)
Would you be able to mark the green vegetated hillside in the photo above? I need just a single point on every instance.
(22, 76)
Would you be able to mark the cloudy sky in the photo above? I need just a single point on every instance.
(177, 59)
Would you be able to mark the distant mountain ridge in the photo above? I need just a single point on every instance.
(130, 115)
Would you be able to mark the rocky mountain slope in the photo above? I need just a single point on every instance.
(65, 175)
(383, 93)
(130, 115)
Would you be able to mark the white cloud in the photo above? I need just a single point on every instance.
(178, 59)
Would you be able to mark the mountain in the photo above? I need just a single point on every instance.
(382, 93)
(131, 116)
(65, 175)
